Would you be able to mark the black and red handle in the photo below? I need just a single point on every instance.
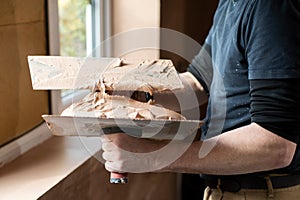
(118, 178)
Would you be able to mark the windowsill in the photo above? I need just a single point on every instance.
(37, 171)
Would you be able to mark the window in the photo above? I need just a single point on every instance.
(73, 20)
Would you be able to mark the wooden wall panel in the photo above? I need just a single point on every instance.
(22, 33)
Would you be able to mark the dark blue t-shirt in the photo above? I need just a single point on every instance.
(249, 40)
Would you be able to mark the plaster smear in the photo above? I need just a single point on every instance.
(147, 76)
(105, 106)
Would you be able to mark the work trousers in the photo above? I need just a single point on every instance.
(288, 193)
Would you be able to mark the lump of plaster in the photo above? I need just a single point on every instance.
(102, 105)
(147, 76)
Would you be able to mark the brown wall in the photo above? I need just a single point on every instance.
(192, 17)
(22, 32)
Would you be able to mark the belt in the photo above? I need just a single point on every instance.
(235, 183)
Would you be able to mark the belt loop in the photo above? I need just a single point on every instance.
(270, 187)
(220, 192)
(218, 185)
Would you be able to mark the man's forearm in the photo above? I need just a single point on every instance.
(244, 150)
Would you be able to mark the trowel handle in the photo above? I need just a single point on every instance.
(118, 178)
(115, 177)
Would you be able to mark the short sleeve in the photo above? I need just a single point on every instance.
(201, 67)
(272, 39)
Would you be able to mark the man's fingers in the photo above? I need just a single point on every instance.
(110, 156)
(104, 138)
(109, 146)
(113, 167)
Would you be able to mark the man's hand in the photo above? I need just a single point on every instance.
(124, 153)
